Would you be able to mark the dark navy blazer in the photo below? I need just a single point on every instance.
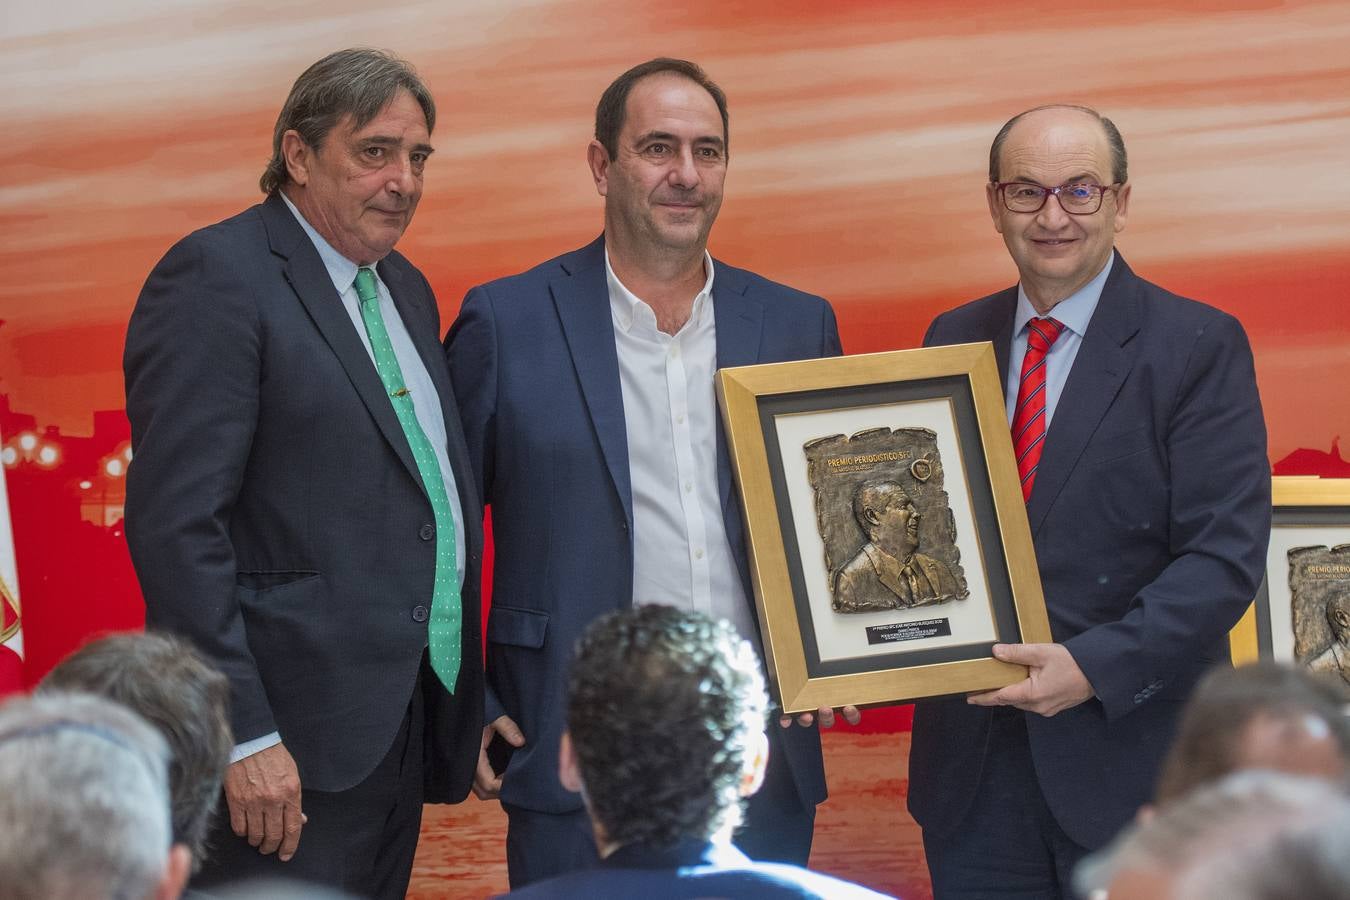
(1150, 517)
(693, 869)
(537, 376)
(274, 510)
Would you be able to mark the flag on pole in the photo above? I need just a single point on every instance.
(11, 631)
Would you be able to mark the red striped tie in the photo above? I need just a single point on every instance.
(1028, 427)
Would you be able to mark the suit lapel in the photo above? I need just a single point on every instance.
(310, 281)
(581, 296)
(1104, 360)
(1001, 332)
(740, 326)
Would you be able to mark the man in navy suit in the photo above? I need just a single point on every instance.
(586, 392)
(666, 714)
(295, 502)
(1142, 452)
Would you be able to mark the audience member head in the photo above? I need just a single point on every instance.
(1262, 716)
(84, 803)
(166, 682)
(1256, 835)
(666, 713)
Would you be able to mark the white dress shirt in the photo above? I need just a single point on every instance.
(1074, 312)
(426, 402)
(681, 556)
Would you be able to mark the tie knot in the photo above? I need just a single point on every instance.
(365, 284)
(1041, 333)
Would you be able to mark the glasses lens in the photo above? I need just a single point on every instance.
(1021, 197)
(1080, 198)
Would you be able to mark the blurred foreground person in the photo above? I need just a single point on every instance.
(164, 681)
(84, 803)
(1263, 716)
(1250, 836)
(666, 716)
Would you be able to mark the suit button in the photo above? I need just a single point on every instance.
(420, 613)
(426, 532)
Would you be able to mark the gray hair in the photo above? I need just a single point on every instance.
(84, 800)
(162, 679)
(1253, 836)
(1120, 165)
(358, 82)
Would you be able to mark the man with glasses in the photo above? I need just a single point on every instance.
(1141, 450)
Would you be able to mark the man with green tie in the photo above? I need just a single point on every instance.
(296, 505)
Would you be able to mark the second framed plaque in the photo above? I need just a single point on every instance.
(1302, 611)
(889, 545)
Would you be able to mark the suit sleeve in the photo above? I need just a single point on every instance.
(830, 345)
(471, 351)
(192, 366)
(1215, 449)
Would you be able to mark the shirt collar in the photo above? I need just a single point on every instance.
(1074, 312)
(628, 308)
(341, 269)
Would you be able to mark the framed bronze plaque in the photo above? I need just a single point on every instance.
(889, 544)
(1302, 612)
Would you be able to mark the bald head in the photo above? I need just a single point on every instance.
(1059, 113)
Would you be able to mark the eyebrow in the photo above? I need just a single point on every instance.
(1076, 179)
(667, 136)
(381, 140)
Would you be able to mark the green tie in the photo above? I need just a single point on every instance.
(443, 630)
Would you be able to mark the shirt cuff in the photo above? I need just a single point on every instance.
(248, 748)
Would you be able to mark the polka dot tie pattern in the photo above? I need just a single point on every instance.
(1028, 427)
(444, 625)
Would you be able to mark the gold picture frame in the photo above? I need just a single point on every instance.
(938, 416)
(1305, 510)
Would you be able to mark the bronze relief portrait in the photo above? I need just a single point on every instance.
(1319, 588)
(884, 519)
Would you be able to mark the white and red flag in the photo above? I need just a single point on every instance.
(11, 630)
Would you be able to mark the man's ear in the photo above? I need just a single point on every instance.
(756, 764)
(597, 158)
(176, 872)
(995, 206)
(569, 772)
(298, 155)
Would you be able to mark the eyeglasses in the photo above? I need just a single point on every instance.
(1082, 198)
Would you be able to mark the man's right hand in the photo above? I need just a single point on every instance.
(487, 784)
(263, 793)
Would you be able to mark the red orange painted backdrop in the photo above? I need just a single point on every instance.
(859, 140)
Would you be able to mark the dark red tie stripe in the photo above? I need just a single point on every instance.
(1028, 426)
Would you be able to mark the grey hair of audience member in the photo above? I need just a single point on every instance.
(165, 681)
(84, 800)
(1255, 835)
(1210, 737)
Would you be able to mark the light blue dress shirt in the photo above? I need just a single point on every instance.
(1074, 313)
